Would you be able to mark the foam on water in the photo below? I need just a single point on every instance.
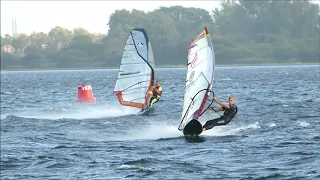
(3, 116)
(154, 131)
(231, 129)
(150, 131)
(303, 123)
(80, 112)
(272, 125)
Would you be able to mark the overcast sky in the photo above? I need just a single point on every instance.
(41, 16)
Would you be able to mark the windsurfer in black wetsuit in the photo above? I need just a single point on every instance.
(230, 111)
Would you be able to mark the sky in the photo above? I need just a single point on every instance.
(42, 16)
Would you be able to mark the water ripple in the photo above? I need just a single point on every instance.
(45, 134)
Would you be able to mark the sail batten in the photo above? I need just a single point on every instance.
(135, 76)
(136, 72)
(201, 63)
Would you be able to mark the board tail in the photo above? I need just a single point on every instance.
(193, 128)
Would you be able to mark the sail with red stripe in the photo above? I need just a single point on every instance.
(200, 75)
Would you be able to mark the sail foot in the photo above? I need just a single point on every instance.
(127, 103)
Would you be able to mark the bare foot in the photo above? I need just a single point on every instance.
(203, 129)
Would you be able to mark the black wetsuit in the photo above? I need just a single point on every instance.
(227, 116)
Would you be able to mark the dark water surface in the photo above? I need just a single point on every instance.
(46, 135)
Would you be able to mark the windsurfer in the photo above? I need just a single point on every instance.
(157, 91)
(230, 111)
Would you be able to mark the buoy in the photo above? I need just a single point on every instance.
(85, 94)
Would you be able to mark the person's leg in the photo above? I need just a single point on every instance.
(152, 101)
(215, 122)
(211, 123)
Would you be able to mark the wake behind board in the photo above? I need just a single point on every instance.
(193, 128)
(147, 111)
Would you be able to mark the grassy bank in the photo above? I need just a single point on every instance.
(55, 69)
(164, 66)
(235, 65)
(267, 64)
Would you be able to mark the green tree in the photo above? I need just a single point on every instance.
(9, 60)
(60, 37)
(242, 32)
(81, 32)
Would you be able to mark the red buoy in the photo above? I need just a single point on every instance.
(85, 94)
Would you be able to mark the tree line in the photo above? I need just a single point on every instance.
(242, 32)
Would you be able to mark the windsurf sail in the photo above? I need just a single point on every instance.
(200, 75)
(136, 73)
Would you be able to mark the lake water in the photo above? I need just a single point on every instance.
(45, 134)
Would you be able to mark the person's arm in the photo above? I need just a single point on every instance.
(157, 91)
(220, 103)
(215, 109)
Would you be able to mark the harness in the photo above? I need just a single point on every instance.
(231, 112)
(227, 114)
(155, 93)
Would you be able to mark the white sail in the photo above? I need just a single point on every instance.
(200, 72)
(136, 73)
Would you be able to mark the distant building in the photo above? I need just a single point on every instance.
(96, 38)
(8, 49)
(44, 46)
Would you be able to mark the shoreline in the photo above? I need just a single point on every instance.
(161, 66)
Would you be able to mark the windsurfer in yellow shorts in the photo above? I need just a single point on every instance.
(157, 91)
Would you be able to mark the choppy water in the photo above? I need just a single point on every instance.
(46, 135)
